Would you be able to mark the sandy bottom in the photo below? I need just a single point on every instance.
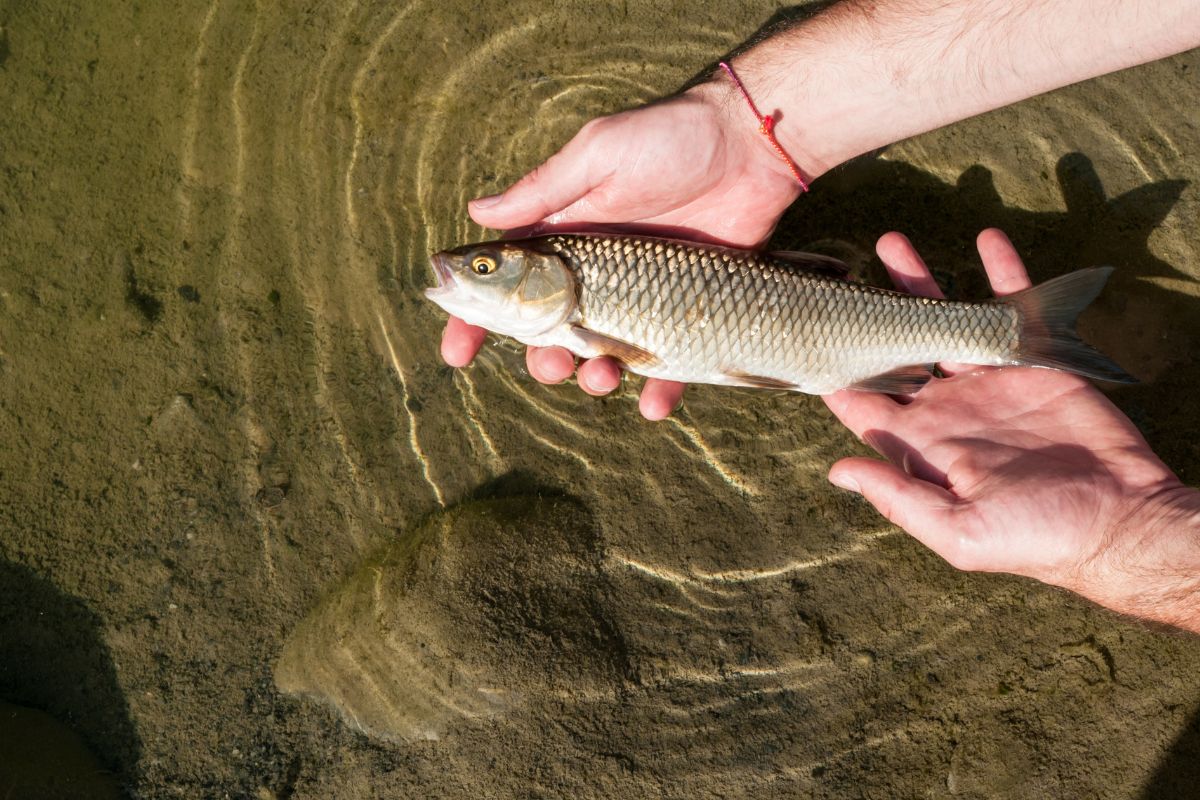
(256, 541)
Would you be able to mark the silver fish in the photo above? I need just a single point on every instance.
(706, 314)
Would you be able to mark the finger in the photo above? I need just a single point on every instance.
(904, 455)
(659, 398)
(560, 181)
(1005, 270)
(550, 364)
(862, 411)
(906, 269)
(460, 342)
(599, 376)
(921, 508)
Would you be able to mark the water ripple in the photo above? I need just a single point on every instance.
(311, 194)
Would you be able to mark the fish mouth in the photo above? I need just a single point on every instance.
(443, 274)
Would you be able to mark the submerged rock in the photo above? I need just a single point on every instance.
(481, 608)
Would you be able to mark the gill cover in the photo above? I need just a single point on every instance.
(507, 287)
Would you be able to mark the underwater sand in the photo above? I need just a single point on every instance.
(233, 461)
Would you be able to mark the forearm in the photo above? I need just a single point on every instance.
(865, 73)
(1150, 564)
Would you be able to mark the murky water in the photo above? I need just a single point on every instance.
(221, 396)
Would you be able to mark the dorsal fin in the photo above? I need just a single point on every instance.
(812, 262)
(809, 262)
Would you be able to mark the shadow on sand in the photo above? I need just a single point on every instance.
(52, 658)
(1179, 773)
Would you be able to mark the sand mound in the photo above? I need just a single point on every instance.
(480, 608)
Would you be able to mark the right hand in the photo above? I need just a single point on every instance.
(693, 166)
(1028, 471)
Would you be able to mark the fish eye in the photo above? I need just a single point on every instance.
(483, 265)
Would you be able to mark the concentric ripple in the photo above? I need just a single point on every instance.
(326, 152)
(369, 162)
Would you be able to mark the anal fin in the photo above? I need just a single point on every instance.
(902, 380)
(760, 381)
(627, 353)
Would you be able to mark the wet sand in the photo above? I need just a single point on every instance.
(229, 434)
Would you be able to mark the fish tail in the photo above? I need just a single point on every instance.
(1047, 336)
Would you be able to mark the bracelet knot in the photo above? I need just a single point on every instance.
(766, 126)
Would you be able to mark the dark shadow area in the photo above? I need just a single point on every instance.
(52, 658)
(1179, 774)
(868, 197)
(518, 483)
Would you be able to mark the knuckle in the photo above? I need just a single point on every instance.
(535, 175)
(593, 127)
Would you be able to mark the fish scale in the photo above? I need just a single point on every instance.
(711, 314)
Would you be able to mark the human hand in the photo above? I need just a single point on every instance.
(692, 166)
(1028, 471)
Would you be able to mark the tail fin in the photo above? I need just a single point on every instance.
(1048, 337)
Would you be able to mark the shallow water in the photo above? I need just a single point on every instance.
(222, 398)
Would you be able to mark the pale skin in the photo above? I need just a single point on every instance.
(1026, 471)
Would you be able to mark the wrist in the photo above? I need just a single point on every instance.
(823, 86)
(1148, 565)
(742, 125)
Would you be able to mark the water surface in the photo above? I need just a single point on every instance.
(221, 398)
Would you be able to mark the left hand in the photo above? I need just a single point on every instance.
(1024, 470)
(689, 166)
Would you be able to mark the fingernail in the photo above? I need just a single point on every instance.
(595, 387)
(844, 481)
(604, 385)
(486, 202)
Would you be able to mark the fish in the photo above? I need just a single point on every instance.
(703, 313)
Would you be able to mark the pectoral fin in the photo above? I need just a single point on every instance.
(627, 353)
(902, 380)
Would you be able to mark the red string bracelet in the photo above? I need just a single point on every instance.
(766, 126)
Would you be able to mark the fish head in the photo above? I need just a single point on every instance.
(507, 287)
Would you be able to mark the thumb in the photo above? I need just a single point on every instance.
(560, 181)
(925, 510)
